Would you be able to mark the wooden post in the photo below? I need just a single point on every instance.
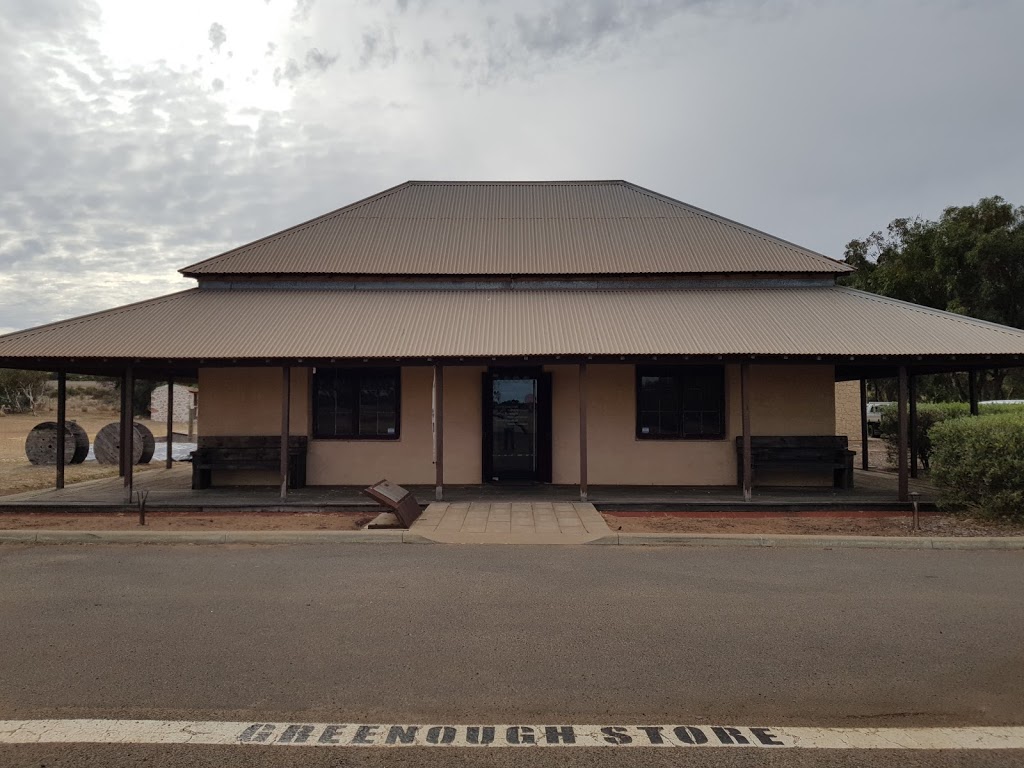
(912, 435)
(864, 424)
(583, 432)
(438, 432)
(748, 485)
(170, 421)
(904, 480)
(62, 418)
(128, 439)
(972, 384)
(121, 440)
(286, 396)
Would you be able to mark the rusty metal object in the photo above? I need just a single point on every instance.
(397, 499)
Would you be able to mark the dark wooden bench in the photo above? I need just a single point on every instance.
(810, 452)
(255, 452)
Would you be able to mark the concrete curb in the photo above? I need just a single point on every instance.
(615, 539)
(210, 537)
(810, 541)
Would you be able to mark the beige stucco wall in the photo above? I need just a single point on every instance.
(409, 459)
(247, 401)
(790, 400)
(785, 400)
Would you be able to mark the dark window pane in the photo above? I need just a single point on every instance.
(356, 402)
(680, 402)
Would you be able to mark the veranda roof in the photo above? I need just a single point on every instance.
(462, 229)
(322, 324)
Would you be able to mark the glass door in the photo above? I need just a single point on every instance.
(514, 428)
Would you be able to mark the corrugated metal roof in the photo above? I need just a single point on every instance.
(517, 228)
(222, 324)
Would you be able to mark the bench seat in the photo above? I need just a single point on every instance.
(248, 452)
(799, 452)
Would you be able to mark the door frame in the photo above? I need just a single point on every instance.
(544, 422)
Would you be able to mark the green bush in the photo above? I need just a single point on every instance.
(978, 464)
(928, 416)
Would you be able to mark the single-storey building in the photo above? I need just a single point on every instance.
(571, 332)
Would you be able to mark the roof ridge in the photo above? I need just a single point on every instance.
(508, 182)
(672, 208)
(703, 212)
(301, 226)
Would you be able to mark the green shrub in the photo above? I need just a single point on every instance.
(928, 416)
(978, 464)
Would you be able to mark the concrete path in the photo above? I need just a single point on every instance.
(511, 523)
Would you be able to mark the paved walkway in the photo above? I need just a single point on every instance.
(538, 522)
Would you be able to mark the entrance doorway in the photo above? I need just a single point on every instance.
(517, 426)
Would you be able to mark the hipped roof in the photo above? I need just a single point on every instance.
(314, 324)
(440, 228)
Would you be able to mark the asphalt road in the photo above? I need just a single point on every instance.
(446, 634)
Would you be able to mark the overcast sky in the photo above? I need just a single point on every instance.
(139, 136)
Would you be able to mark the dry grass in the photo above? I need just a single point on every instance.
(18, 475)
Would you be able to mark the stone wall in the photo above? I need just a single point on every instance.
(848, 409)
(182, 401)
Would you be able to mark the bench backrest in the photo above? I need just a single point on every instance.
(825, 442)
(263, 449)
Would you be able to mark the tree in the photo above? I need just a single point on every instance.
(970, 261)
(22, 390)
(142, 393)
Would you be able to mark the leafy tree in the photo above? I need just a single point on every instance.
(970, 261)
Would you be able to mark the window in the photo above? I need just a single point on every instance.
(356, 403)
(680, 402)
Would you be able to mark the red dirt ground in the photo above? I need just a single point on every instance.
(179, 521)
(825, 522)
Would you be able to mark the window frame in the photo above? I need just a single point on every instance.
(359, 373)
(640, 371)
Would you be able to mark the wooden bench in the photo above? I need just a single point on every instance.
(810, 452)
(252, 452)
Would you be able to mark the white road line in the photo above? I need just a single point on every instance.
(355, 735)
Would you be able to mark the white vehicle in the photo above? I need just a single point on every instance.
(875, 417)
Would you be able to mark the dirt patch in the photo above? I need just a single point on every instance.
(860, 525)
(18, 475)
(180, 521)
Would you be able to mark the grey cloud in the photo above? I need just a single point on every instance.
(578, 26)
(47, 14)
(318, 60)
(103, 205)
(291, 72)
(271, 48)
(378, 48)
(114, 177)
(217, 84)
(217, 36)
(302, 10)
(518, 40)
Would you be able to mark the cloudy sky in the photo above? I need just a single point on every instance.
(138, 136)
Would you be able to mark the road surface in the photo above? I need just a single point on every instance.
(457, 636)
